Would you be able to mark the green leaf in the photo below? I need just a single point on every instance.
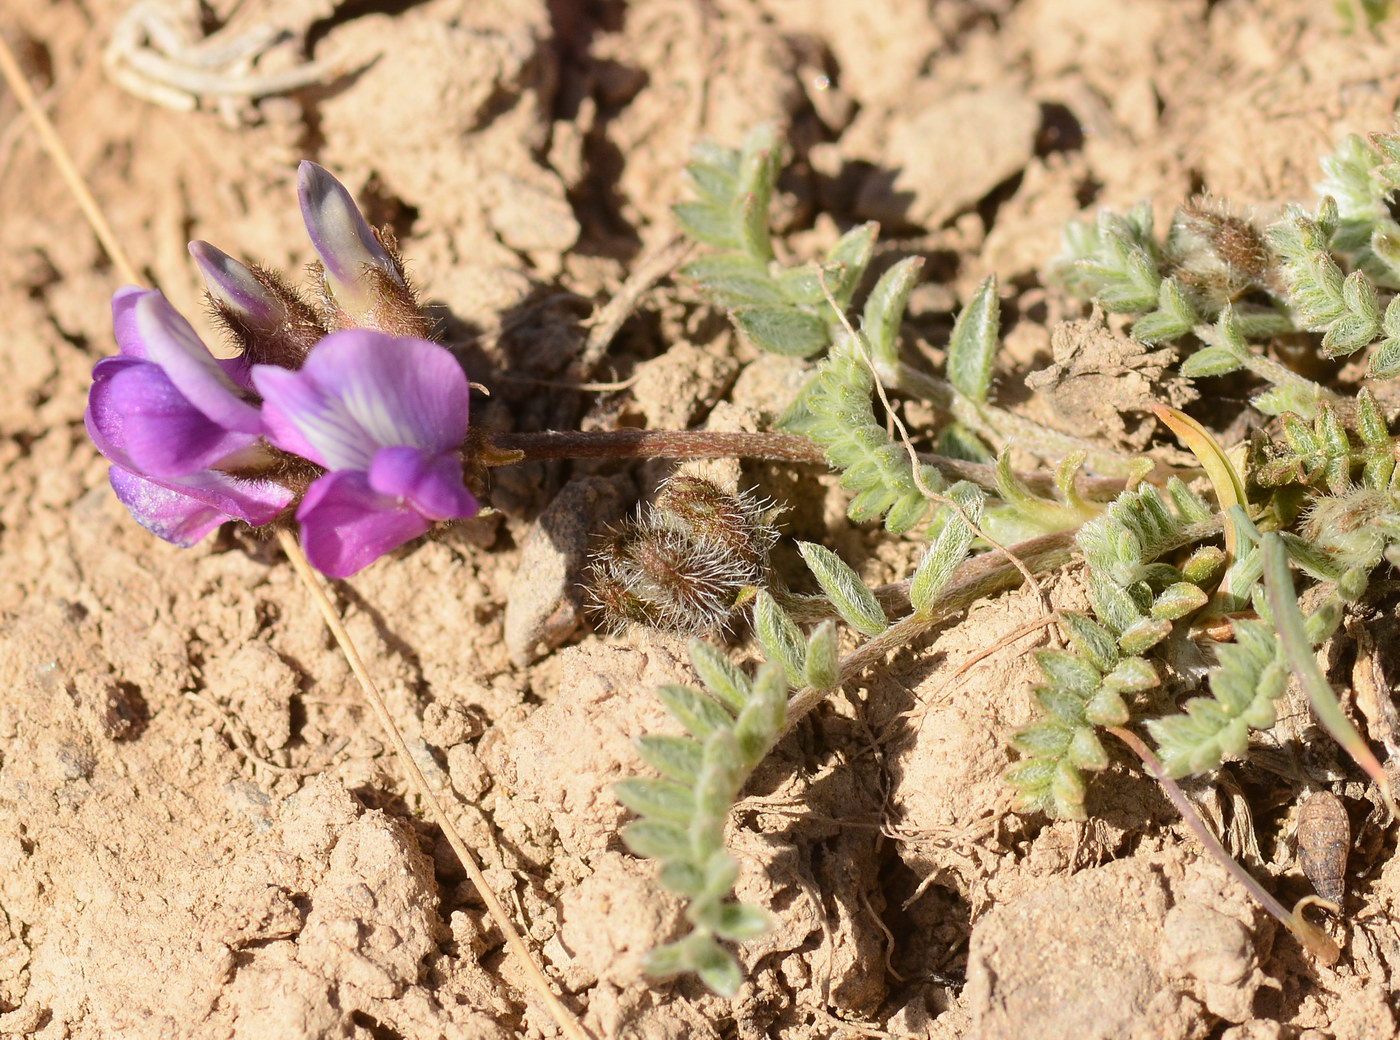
(1287, 398)
(1173, 318)
(884, 311)
(720, 676)
(683, 878)
(657, 839)
(781, 330)
(1131, 675)
(1211, 361)
(675, 757)
(1087, 752)
(1091, 640)
(693, 710)
(1144, 635)
(843, 587)
(721, 772)
(706, 223)
(734, 280)
(1179, 600)
(947, 551)
(1385, 362)
(754, 237)
(717, 969)
(803, 285)
(973, 345)
(852, 252)
(761, 722)
(780, 637)
(1106, 708)
(1068, 671)
(737, 922)
(713, 184)
(822, 668)
(664, 961)
(664, 799)
(1045, 739)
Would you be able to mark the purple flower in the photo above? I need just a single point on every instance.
(387, 418)
(177, 426)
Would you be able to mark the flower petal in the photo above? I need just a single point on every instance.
(346, 525)
(360, 391)
(158, 429)
(124, 301)
(431, 484)
(170, 343)
(104, 416)
(299, 417)
(164, 512)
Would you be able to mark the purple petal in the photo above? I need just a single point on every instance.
(124, 301)
(346, 525)
(166, 513)
(104, 414)
(292, 402)
(185, 510)
(161, 433)
(431, 484)
(360, 391)
(234, 286)
(171, 343)
(340, 235)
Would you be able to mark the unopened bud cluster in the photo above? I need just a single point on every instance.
(686, 562)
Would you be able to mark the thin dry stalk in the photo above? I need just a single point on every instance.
(514, 942)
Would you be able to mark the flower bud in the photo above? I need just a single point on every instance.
(269, 321)
(362, 281)
(685, 562)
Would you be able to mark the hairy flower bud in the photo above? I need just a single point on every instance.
(1221, 255)
(270, 322)
(361, 279)
(686, 561)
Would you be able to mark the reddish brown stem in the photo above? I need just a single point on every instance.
(656, 444)
(502, 449)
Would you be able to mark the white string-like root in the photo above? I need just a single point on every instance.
(538, 983)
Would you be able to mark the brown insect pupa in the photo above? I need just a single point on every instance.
(1324, 839)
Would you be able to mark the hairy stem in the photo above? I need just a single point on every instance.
(1275, 372)
(997, 426)
(976, 579)
(981, 576)
(502, 449)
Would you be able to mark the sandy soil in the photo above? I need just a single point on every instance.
(201, 833)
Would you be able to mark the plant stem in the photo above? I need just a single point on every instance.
(654, 444)
(1320, 944)
(1298, 651)
(997, 426)
(981, 576)
(503, 449)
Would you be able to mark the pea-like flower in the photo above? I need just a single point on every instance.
(386, 417)
(178, 427)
